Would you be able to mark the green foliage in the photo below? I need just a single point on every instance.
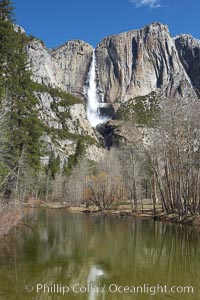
(60, 133)
(142, 110)
(73, 159)
(145, 110)
(7, 40)
(87, 139)
(65, 134)
(60, 99)
(23, 128)
(6, 10)
(4, 171)
(54, 165)
(92, 167)
(81, 140)
(62, 115)
(31, 37)
(66, 98)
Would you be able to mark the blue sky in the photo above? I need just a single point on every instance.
(57, 21)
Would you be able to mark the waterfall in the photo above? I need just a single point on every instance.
(93, 282)
(93, 98)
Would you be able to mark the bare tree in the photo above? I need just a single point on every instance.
(175, 157)
(76, 182)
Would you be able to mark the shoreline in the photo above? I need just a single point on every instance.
(9, 219)
(120, 212)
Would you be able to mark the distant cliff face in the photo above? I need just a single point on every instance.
(65, 68)
(137, 62)
(129, 64)
(189, 53)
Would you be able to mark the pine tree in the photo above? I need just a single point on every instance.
(7, 41)
(53, 166)
(24, 128)
(6, 10)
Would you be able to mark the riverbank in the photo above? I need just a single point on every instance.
(9, 218)
(122, 211)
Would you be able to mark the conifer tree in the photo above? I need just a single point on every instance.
(7, 41)
(17, 91)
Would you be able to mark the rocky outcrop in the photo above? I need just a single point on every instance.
(19, 29)
(65, 68)
(189, 53)
(129, 64)
(60, 116)
(137, 62)
(73, 59)
(66, 125)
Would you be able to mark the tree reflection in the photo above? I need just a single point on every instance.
(68, 248)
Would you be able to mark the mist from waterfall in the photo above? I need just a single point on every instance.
(93, 98)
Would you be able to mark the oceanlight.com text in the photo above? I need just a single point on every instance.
(112, 288)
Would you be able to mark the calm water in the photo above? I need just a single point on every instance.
(81, 255)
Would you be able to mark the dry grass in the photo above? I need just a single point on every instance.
(9, 217)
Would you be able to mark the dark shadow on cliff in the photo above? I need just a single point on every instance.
(108, 136)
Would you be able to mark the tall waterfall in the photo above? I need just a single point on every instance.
(93, 98)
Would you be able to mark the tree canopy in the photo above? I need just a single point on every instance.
(18, 102)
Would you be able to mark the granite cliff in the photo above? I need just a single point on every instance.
(189, 54)
(65, 68)
(137, 62)
(129, 64)
(138, 66)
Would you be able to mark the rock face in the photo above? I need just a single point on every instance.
(58, 116)
(189, 53)
(137, 62)
(66, 125)
(129, 64)
(65, 67)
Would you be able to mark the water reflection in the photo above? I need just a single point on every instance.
(74, 248)
(93, 282)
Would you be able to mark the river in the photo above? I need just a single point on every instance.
(58, 255)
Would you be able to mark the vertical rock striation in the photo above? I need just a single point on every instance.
(189, 53)
(130, 64)
(137, 62)
(73, 61)
(65, 68)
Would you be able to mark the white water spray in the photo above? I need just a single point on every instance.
(93, 104)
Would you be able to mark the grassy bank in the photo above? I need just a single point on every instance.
(121, 211)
